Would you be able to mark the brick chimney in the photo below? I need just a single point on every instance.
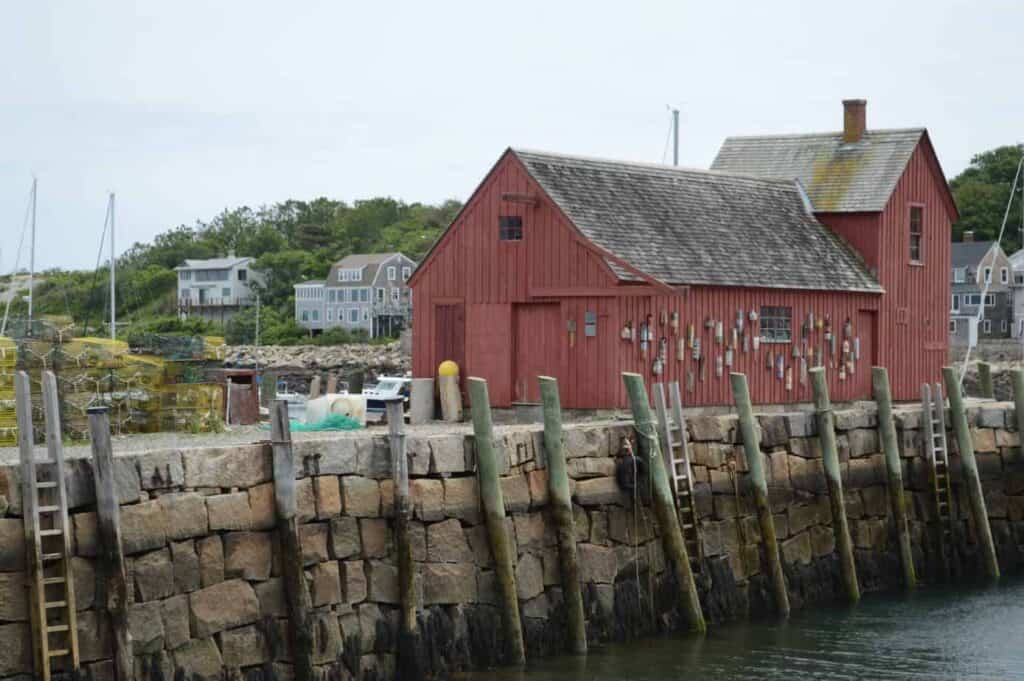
(854, 119)
(967, 237)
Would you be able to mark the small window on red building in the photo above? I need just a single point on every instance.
(510, 228)
(916, 222)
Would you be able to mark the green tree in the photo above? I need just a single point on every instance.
(982, 191)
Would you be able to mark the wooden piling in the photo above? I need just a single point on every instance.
(759, 486)
(969, 464)
(664, 507)
(314, 387)
(421, 401)
(894, 471)
(494, 517)
(111, 561)
(409, 666)
(300, 623)
(985, 381)
(830, 454)
(1017, 383)
(448, 388)
(332, 383)
(561, 512)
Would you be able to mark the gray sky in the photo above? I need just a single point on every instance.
(186, 108)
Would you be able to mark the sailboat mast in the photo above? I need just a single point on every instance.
(32, 258)
(113, 275)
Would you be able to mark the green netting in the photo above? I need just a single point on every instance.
(329, 422)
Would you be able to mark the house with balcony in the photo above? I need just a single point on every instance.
(366, 291)
(216, 288)
(977, 264)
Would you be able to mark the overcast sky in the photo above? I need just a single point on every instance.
(185, 108)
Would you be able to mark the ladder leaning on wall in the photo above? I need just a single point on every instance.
(934, 414)
(676, 453)
(47, 535)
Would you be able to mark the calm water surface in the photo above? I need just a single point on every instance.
(963, 634)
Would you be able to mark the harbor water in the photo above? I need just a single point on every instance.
(962, 633)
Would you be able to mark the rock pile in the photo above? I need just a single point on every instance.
(375, 359)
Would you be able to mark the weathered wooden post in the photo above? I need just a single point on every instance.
(332, 383)
(1017, 382)
(421, 401)
(664, 507)
(108, 528)
(970, 468)
(830, 454)
(894, 472)
(408, 660)
(561, 511)
(448, 387)
(759, 485)
(314, 387)
(985, 380)
(494, 517)
(297, 595)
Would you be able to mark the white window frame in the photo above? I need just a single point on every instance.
(959, 275)
(396, 295)
(952, 326)
(316, 315)
(186, 275)
(392, 273)
(955, 303)
(986, 326)
(305, 315)
(987, 275)
(380, 295)
(776, 324)
(1004, 275)
(353, 315)
(406, 273)
(366, 314)
(990, 300)
(1002, 326)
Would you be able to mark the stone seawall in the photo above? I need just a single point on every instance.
(204, 566)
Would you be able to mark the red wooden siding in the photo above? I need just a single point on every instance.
(519, 298)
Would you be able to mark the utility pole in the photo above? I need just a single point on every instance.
(257, 322)
(113, 276)
(32, 258)
(675, 137)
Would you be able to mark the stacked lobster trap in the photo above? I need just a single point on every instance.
(144, 392)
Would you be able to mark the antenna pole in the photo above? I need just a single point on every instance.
(675, 137)
(32, 258)
(113, 275)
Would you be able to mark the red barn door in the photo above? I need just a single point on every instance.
(450, 335)
(538, 348)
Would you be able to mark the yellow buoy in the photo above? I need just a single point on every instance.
(448, 368)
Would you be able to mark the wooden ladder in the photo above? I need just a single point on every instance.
(934, 413)
(47, 534)
(672, 434)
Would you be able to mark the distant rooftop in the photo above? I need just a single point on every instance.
(213, 263)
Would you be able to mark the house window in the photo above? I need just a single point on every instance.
(396, 295)
(353, 315)
(392, 273)
(952, 326)
(305, 315)
(316, 315)
(1004, 275)
(988, 275)
(364, 295)
(590, 323)
(990, 300)
(350, 275)
(955, 306)
(185, 275)
(406, 273)
(329, 314)
(380, 295)
(225, 293)
(986, 326)
(1002, 326)
(366, 315)
(959, 275)
(776, 324)
(916, 219)
(510, 228)
(242, 275)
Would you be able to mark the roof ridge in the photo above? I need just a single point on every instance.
(832, 133)
(656, 166)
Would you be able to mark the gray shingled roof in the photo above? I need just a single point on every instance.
(968, 253)
(214, 263)
(699, 227)
(838, 177)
